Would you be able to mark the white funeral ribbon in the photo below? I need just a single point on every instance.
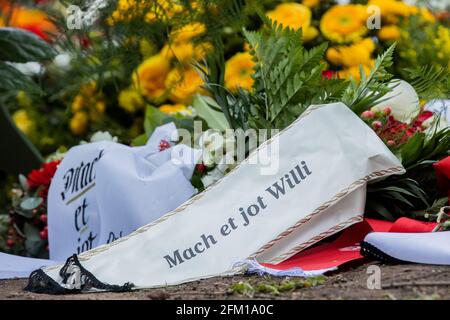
(324, 156)
(105, 190)
(12, 266)
(426, 248)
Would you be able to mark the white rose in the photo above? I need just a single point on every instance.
(212, 176)
(211, 143)
(103, 136)
(403, 101)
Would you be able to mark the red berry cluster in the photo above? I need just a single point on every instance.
(393, 132)
(38, 185)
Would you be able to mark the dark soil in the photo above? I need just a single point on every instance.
(397, 282)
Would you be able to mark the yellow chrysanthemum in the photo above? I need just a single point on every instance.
(427, 15)
(162, 10)
(311, 3)
(239, 71)
(173, 109)
(392, 9)
(352, 55)
(185, 52)
(344, 23)
(79, 122)
(128, 10)
(151, 75)
(130, 100)
(295, 16)
(442, 42)
(183, 85)
(387, 33)
(354, 72)
(23, 121)
(188, 32)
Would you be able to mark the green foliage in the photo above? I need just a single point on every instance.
(210, 111)
(369, 91)
(424, 149)
(430, 82)
(416, 189)
(288, 77)
(22, 46)
(394, 197)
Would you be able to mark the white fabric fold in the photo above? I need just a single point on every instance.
(12, 266)
(426, 248)
(251, 266)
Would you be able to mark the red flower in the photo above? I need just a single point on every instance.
(37, 31)
(328, 74)
(421, 118)
(200, 167)
(43, 176)
(163, 145)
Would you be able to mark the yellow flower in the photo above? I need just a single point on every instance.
(295, 16)
(183, 85)
(151, 11)
(23, 121)
(77, 103)
(162, 10)
(151, 75)
(78, 123)
(427, 15)
(185, 52)
(344, 23)
(173, 109)
(389, 33)
(188, 32)
(130, 100)
(239, 71)
(442, 43)
(354, 72)
(352, 55)
(311, 3)
(23, 99)
(100, 106)
(392, 9)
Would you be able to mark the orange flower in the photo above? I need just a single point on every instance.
(32, 20)
(184, 84)
(151, 75)
(344, 23)
(295, 16)
(239, 71)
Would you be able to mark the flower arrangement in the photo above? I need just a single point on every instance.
(229, 64)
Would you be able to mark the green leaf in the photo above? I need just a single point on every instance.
(214, 119)
(31, 232)
(381, 210)
(23, 182)
(371, 89)
(14, 80)
(18, 45)
(31, 203)
(153, 119)
(139, 140)
(410, 152)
